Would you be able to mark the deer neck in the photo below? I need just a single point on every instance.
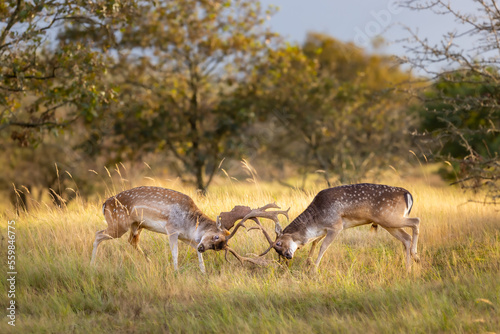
(203, 222)
(300, 228)
(307, 218)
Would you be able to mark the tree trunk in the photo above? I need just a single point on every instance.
(199, 171)
(199, 163)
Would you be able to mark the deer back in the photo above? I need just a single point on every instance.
(361, 203)
(157, 209)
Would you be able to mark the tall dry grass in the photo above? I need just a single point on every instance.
(361, 285)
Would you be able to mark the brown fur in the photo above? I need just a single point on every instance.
(164, 211)
(348, 206)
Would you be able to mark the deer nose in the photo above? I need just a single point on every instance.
(201, 248)
(288, 254)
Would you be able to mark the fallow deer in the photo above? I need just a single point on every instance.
(335, 209)
(172, 213)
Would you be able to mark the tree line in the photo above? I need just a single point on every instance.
(194, 83)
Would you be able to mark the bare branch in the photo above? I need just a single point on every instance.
(10, 24)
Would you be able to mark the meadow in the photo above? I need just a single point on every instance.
(361, 285)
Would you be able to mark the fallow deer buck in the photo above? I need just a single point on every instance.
(335, 209)
(174, 214)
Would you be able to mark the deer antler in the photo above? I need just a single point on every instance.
(260, 227)
(254, 215)
(229, 218)
(258, 261)
(262, 213)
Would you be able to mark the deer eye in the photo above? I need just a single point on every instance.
(216, 237)
(278, 243)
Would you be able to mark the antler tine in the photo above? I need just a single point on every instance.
(273, 215)
(266, 251)
(260, 212)
(242, 259)
(225, 255)
(236, 255)
(269, 206)
(260, 227)
(240, 224)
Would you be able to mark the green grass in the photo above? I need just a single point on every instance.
(361, 285)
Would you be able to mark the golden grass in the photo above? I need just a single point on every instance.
(361, 285)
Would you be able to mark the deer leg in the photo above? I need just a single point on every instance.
(100, 236)
(405, 238)
(414, 224)
(313, 247)
(330, 235)
(200, 262)
(173, 240)
(133, 239)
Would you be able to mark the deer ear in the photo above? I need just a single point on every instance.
(219, 224)
(278, 229)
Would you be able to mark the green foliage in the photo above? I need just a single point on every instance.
(337, 109)
(461, 106)
(48, 83)
(179, 65)
(193, 83)
(459, 109)
(52, 88)
(461, 113)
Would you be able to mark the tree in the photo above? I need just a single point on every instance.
(50, 84)
(178, 66)
(47, 83)
(336, 107)
(462, 112)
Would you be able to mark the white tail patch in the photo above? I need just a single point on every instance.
(409, 204)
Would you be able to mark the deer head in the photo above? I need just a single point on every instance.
(218, 238)
(261, 213)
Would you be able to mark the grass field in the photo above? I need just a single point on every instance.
(361, 286)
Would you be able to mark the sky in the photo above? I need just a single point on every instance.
(361, 20)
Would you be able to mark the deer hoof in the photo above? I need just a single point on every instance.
(416, 258)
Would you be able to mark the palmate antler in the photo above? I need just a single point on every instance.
(254, 215)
